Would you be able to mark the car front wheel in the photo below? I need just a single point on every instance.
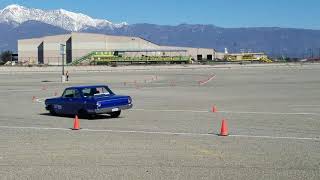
(115, 114)
(52, 111)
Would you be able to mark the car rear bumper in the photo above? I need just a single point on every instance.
(109, 109)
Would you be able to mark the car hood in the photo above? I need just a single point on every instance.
(52, 99)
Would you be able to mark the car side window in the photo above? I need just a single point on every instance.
(86, 92)
(95, 91)
(77, 94)
(71, 93)
(68, 93)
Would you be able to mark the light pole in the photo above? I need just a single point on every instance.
(63, 52)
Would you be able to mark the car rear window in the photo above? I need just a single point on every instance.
(95, 91)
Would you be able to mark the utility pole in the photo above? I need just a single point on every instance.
(62, 52)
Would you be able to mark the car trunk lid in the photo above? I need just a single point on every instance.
(111, 100)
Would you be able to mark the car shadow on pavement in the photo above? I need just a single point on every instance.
(96, 117)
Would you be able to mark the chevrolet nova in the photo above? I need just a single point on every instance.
(88, 101)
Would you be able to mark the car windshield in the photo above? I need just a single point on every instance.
(96, 91)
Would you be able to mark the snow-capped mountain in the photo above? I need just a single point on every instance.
(70, 21)
(18, 22)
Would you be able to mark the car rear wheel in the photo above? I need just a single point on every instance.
(115, 114)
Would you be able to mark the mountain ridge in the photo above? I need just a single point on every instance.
(67, 20)
(275, 41)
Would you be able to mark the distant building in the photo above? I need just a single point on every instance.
(245, 56)
(46, 50)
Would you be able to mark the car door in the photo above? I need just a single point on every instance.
(75, 103)
(67, 100)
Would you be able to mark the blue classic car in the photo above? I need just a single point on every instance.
(88, 101)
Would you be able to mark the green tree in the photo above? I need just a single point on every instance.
(5, 56)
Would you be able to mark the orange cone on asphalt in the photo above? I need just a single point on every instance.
(224, 128)
(214, 109)
(76, 123)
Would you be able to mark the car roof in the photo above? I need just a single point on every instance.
(89, 86)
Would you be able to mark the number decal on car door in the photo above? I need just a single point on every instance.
(57, 106)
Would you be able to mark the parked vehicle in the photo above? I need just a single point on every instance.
(88, 101)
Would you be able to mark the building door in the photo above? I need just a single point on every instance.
(199, 57)
(40, 54)
(69, 50)
(209, 57)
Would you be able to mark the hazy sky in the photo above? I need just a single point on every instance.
(224, 13)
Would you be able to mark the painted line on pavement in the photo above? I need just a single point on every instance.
(21, 90)
(304, 105)
(270, 113)
(40, 100)
(170, 110)
(205, 82)
(275, 137)
(226, 112)
(35, 128)
(165, 133)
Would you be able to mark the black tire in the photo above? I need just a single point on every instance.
(115, 114)
(52, 111)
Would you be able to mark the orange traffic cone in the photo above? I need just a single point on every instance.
(76, 124)
(224, 128)
(214, 109)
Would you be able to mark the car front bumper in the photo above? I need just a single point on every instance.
(109, 109)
